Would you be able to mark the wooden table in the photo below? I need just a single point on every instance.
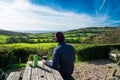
(41, 72)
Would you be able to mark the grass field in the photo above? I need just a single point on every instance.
(45, 45)
(72, 36)
(38, 45)
(3, 38)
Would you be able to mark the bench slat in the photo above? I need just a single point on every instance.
(27, 72)
(57, 75)
(49, 73)
(14, 76)
(34, 75)
(41, 71)
(10, 76)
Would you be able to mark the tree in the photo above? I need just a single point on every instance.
(110, 37)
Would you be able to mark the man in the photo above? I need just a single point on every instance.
(63, 58)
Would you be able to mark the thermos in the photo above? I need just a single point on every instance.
(35, 61)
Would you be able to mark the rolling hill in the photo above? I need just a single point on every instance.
(11, 33)
(72, 36)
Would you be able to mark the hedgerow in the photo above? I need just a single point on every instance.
(21, 54)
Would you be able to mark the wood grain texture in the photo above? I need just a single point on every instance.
(41, 72)
(14, 76)
(27, 72)
(57, 75)
(49, 73)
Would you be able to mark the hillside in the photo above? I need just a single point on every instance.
(92, 29)
(72, 36)
(11, 33)
(81, 30)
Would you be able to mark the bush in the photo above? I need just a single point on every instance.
(22, 54)
(6, 56)
(30, 58)
(13, 55)
(95, 52)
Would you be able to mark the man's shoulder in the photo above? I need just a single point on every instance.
(59, 47)
(69, 45)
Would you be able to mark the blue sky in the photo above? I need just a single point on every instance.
(58, 15)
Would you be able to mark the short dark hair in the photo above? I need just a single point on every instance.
(59, 37)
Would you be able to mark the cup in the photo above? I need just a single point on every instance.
(44, 57)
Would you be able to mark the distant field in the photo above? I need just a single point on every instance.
(3, 38)
(84, 35)
(38, 45)
(45, 45)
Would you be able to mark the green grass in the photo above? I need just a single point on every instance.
(69, 35)
(91, 34)
(72, 38)
(82, 39)
(38, 45)
(3, 38)
(45, 45)
(35, 40)
(46, 34)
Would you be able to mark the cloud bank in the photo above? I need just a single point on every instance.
(23, 15)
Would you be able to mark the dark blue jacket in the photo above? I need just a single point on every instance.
(63, 59)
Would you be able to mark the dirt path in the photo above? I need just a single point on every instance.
(94, 70)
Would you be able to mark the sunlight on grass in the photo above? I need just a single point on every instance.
(40, 45)
(3, 38)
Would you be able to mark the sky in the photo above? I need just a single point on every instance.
(58, 15)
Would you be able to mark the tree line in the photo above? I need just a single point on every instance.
(110, 37)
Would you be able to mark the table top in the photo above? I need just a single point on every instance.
(42, 72)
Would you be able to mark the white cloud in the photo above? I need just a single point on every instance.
(22, 15)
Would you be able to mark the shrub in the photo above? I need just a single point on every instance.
(21, 54)
(15, 54)
(30, 58)
(95, 52)
(6, 56)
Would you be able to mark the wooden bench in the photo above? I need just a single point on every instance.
(41, 72)
(14, 76)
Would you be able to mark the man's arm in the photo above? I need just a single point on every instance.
(55, 62)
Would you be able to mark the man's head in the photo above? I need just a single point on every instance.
(59, 37)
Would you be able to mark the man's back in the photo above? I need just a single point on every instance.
(66, 54)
